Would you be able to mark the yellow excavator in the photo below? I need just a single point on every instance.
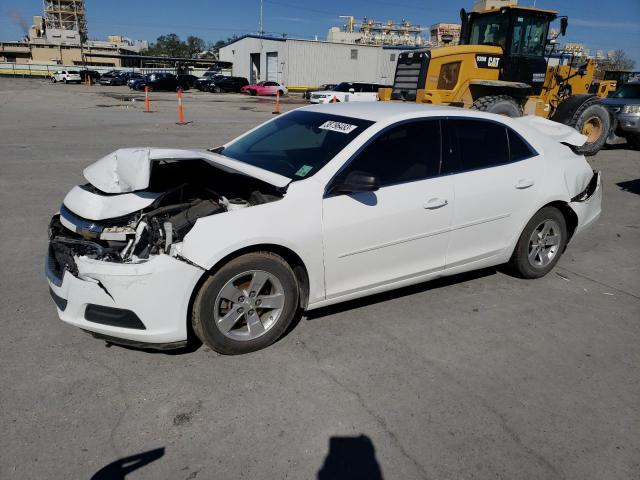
(502, 65)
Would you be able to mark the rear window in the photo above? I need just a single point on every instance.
(298, 144)
(74, 72)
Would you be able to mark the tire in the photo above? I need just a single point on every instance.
(217, 90)
(64, 80)
(529, 261)
(281, 92)
(591, 119)
(150, 88)
(498, 104)
(253, 93)
(53, 80)
(211, 306)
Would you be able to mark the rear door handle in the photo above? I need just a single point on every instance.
(434, 203)
(524, 183)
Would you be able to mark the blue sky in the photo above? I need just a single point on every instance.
(600, 25)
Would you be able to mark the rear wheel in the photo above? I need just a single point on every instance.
(217, 90)
(540, 245)
(593, 121)
(498, 104)
(253, 93)
(247, 304)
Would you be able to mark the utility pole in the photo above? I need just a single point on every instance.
(261, 26)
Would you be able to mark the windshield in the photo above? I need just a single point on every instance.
(490, 30)
(529, 35)
(298, 144)
(74, 72)
(630, 90)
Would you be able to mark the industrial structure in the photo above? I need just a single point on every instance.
(372, 32)
(297, 62)
(64, 20)
(59, 37)
(443, 34)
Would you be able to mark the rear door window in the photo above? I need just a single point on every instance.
(475, 144)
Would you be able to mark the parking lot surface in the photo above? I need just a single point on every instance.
(475, 376)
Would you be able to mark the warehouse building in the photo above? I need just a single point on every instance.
(296, 62)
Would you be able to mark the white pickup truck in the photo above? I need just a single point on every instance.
(348, 92)
(66, 76)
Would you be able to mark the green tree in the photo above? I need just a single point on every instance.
(168, 45)
(195, 46)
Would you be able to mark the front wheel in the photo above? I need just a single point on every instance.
(253, 93)
(540, 245)
(217, 90)
(247, 304)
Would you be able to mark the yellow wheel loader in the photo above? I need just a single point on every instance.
(502, 66)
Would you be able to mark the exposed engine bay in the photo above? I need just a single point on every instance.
(179, 193)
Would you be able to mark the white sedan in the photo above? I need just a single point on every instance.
(321, 205)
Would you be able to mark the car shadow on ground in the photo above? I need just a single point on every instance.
(194, 344)
(399, 293)
(632, 186)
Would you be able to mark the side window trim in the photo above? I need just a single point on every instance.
(378, 135)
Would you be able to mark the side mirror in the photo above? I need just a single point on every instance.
(564, 22)
(356, 181)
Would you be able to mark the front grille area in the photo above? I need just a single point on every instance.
(411, 73)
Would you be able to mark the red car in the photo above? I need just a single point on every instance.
(264, 88)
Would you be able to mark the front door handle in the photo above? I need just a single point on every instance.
(434, 203)
(524, 183)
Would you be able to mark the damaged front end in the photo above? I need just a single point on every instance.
(114, 263)
(131, 227)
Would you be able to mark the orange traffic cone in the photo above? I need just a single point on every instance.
(147, 100)
(277, 110)
(180, 108)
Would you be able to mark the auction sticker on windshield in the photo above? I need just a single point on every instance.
(338, 126)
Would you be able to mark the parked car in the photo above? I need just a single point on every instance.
(133, 79)
(66, 76)
(322, 88)
(187, 81)
(227, 84)
(206, 80)
(348, 92)
(93, 74)
(112, 78)
(624, 105)
(160, 81)
(265, 88)
(320, 205)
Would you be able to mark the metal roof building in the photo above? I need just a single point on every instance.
(297, 62)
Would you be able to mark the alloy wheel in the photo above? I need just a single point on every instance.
(249, 305)
(544, 243)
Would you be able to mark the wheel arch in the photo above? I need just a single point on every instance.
(571, 218)
(294, 260)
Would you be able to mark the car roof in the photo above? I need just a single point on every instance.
(376, 111)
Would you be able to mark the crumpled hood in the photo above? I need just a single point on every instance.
(129, 169)
(557, 131)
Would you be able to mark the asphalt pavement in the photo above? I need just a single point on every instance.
(478, 376)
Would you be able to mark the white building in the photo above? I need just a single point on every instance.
(296, 62)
